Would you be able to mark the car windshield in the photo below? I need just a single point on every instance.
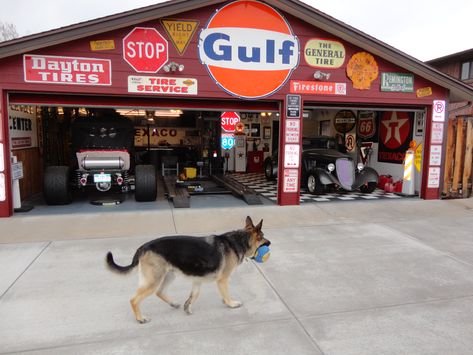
(320, 142)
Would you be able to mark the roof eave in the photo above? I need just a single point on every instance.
(458, 91)
(93, 27)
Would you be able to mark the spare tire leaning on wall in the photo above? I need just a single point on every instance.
(57, 185)
(145, 183)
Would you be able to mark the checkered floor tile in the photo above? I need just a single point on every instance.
(268, 189)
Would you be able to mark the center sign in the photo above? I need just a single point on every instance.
(145, 49)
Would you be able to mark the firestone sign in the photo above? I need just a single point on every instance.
(249, 69)
(67, 70)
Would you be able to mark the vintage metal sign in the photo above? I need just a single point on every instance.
(227, 141)
(317, 88)
(291, 180)
(362, 69)
(397, 82)
(437, 133)
(423, 92)
(158, 85)
(102, 45)
(438, 112)
(291, 155)
(2, 158)
(366, 126)
(145, 49)
(435, 155)
(2, 187)
(344, 121)
(246, 68)
(433, 180)
(395, 134)
(23, 126)
(418, 157)
(293, 106)
(320, 53)
(229, 120)
(180, 32)
(67, 70)
(293, 131)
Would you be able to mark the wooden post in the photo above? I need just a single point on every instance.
(457, 171)
(466, 182)
(450, 151)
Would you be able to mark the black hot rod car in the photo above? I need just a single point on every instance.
(326, 167)
(102, 149)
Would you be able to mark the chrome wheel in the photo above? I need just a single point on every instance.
(314, 186)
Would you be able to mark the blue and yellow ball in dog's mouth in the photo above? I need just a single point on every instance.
(262, 254)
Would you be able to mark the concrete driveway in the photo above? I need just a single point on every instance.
(372, 277)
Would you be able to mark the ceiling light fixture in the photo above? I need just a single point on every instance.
(168, 113)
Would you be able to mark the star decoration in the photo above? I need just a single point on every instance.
(393, 125)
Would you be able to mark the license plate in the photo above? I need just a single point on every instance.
(102, 178)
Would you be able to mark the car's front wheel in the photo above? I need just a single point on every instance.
(314, 186)
(368, 187)
(268, 170)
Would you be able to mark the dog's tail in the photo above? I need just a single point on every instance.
(121, 269)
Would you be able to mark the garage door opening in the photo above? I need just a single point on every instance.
(375, 140)
(110, 155)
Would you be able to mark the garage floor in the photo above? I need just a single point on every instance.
(255, 181)
(268, 189)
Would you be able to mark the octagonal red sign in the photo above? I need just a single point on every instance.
(145, 49)
(229, 120)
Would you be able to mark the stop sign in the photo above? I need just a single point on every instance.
(229, 120)
(145, 49)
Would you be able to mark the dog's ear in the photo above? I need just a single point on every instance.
(249, 223)
(259, 226)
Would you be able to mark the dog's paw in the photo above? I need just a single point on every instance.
(143, 320)
(234, 304)
(175, 305)
(187, 307)
(188, 310)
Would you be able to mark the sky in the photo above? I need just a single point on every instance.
(421, 28)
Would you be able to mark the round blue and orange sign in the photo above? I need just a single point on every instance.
(249, 49)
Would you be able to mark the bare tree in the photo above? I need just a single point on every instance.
(7, 31)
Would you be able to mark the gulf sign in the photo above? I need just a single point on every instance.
(249, 49)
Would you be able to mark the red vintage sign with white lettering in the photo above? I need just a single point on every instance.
(67, 70)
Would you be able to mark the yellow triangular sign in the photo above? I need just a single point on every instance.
(180, 32)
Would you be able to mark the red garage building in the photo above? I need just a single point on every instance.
(289, 71)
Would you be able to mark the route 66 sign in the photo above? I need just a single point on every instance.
(366, 127)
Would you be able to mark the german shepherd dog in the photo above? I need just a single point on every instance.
(211, 258)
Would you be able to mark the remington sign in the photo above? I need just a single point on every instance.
(397, 82)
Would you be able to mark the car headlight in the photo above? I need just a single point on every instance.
(331, 167)
(360, 166)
